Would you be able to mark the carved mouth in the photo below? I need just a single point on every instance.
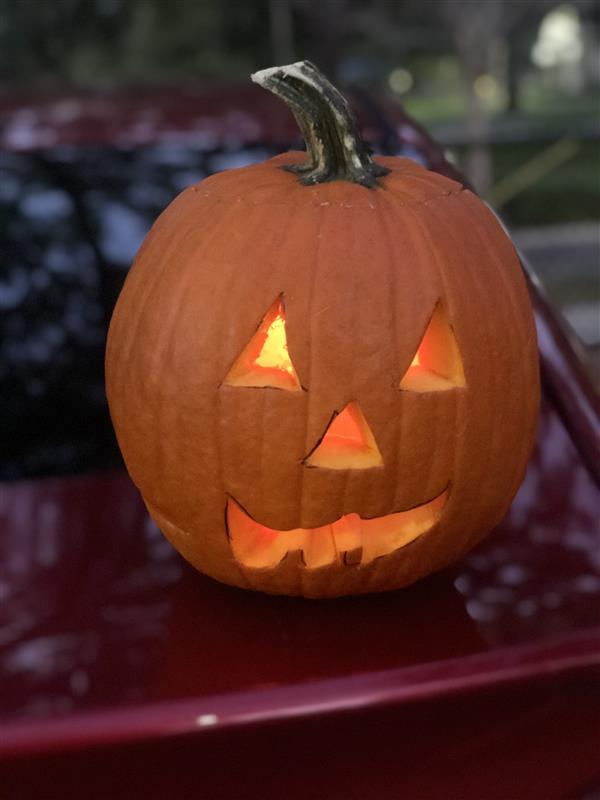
(349, 540)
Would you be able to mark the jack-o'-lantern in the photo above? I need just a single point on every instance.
(322, 369)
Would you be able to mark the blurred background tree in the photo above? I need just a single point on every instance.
(459, 65)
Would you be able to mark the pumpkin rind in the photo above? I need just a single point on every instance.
(362, 274)
(361, 271)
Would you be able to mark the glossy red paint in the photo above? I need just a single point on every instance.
(126, 674)
(565, 384)
(231, 116)
(205, 117)
(535, 741)
(115, 641)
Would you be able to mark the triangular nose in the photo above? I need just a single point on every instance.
(348, 443)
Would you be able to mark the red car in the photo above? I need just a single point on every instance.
(127, 674)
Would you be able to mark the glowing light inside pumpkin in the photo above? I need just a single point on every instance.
(345, 429)
(437, 365)
(348, 443)
(274, 352)
(265, 361)
(350, 539)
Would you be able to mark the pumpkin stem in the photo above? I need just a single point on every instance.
(334, 145)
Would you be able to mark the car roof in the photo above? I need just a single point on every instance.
(207, 116)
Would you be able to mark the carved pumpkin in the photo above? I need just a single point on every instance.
(323, 372)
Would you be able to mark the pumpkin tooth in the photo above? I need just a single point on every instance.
(352, 557)
(349, 540)
(318, 546)
(348, 536)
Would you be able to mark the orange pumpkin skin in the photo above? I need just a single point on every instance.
(361, 271)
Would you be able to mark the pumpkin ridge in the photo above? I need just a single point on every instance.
(383, 207)
(311, 339)
(442, 298)
(352, 302)
(403, 228)
(257, 233)
(520, 329)
(474, 278)
(497, 433)
(169, 321)
(172, 245)
(133, 328)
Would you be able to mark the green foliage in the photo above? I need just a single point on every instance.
(568, 193)
(100, 42)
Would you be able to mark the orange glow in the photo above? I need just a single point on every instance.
(274, 352)
(348, 540)
(348, 443)
(437, 365)
(345, 430)
(265, 361)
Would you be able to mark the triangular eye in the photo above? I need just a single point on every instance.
(348, 443)
(265, 360)
(437, 365)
